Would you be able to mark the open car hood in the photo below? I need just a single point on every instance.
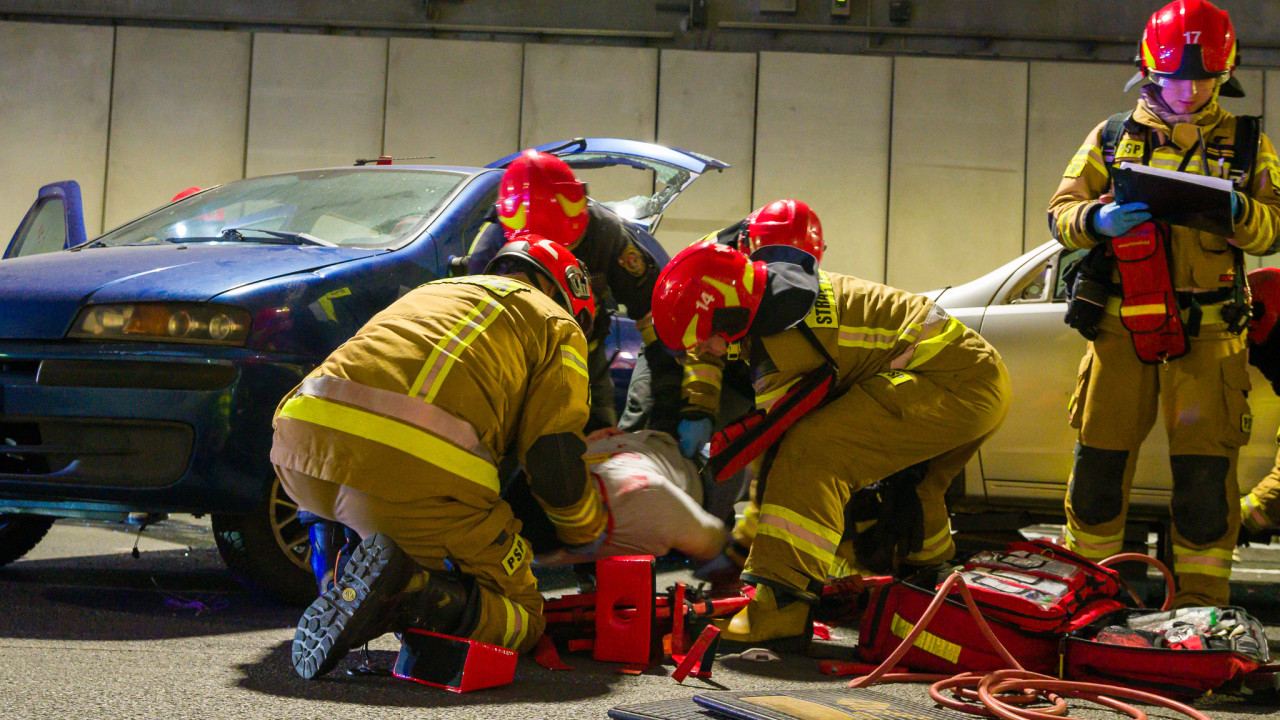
(674, 170)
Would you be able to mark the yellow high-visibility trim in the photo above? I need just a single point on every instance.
(515, 222)
(1096, 539)
(1149, 309)
(440, 361)
(942, 535)
(571, 209)
(1217, 553)
(867, 337)
(690, 339)
(926, 641)
(926, 349)
(709, 374)
(572, 359)
(1192, 568)
(748, 277)
(392, 433)
(824, 557)
(729, 292)
(792, 516)
(766, 400)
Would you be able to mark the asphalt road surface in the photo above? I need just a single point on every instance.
(88, 631)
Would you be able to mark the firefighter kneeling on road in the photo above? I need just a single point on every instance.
(909, 384)
(396, 436)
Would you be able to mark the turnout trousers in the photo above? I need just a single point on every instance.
(482, 543)
(881, 425)
(1206, 415)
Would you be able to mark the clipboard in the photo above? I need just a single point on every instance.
(1177, 198)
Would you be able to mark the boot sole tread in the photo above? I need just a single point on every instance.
(331, 625)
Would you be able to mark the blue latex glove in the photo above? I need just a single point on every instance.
(1237, 206)
(1115, 220)
(693, 435)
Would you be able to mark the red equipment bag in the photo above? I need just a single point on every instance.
(1149, 310)
(952, 642)
(1031, 593)
(1041, 587)
(1179, 653)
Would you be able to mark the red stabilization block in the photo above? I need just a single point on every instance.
(625, 582)
(455, 664)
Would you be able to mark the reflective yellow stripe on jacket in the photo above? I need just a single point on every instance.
(410, 431)
(447, 349)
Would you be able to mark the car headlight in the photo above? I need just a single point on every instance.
(163, 322)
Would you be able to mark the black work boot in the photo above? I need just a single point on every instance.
(358, 608)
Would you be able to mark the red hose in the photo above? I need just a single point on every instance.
(1003, 692)
(1169, 586)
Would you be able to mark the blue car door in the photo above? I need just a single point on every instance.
(54, 222)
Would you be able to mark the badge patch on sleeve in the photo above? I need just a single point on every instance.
(632, 260)
(1246, 423)
(516, 555)
(895, 377)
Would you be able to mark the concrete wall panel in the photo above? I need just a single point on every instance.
(957, 176)
(456, 101)
(707, 104)
(178, 108)
(576, 91)
(314, 100)
(822, 136)
(55, 89)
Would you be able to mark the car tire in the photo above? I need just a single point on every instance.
(267, 550)
(19, 533)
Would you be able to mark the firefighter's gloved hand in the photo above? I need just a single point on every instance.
(1114, 220)
(1237, 206)
(693, 435)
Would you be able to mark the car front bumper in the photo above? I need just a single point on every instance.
(89, 428)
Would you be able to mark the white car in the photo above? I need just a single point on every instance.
(1022, 471)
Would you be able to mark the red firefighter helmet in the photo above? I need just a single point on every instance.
(188, 192)
(533, 254)
(785, 222)
(1189, 40)
(1264, 286)
(706, 290)
(539, 194)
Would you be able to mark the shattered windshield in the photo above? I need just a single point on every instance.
(350, 207)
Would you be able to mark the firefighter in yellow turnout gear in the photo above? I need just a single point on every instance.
(397, 435)
(913, 385)
(1260, 507)
(1177, 125)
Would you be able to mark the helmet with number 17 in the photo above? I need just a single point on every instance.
(707, 290)
(535, 255)
(1189, 40)
(539, 194)
(785, 222)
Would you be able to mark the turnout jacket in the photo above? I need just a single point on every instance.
(1200, 259)
(868, 328)
(454, 375)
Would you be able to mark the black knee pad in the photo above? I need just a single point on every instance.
(1200, 505)
(1097, 484)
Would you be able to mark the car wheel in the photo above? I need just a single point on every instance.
(267, 550)
(19, 533)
